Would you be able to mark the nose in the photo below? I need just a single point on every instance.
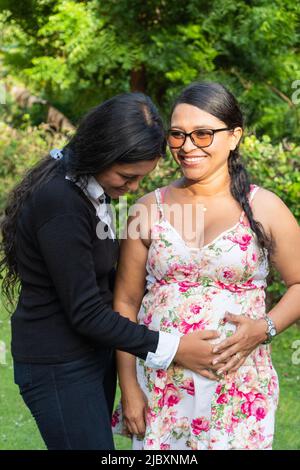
(188, 145)
(132, 185)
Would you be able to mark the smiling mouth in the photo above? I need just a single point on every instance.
(191, 160)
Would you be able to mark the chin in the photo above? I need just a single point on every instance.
(118, 192)
(194, 175)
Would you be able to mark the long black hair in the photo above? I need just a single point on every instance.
(215, 99)
(124, 129)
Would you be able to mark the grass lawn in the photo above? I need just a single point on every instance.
(18, 431)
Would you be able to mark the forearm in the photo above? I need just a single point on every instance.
(287, 310)
(126, 366)
(126, 363)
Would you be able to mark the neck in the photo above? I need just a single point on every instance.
(213, 185)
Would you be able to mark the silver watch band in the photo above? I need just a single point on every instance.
(271, 330)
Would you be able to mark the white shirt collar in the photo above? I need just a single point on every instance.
(94, 189)
(96, 195)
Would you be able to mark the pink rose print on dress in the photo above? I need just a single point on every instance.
(188, 386)
(192, 317)
(170, 396)
(237, 287)
(273, 386)
(199, 425)
(184, 286)
(150, 442)
(188, 326)
(228, 274)
(147, 319)
(161, 374)
(195, 309)
(242, 240)
(179, 271)
(254, 406)
(223, 399)
(232, 391)
(115, 418)
(164, 446)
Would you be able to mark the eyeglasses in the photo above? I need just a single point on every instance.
(200, 137)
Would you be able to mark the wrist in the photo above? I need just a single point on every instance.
(179, 355)
(128, 386)
(262, 330)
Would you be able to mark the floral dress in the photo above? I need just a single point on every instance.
(190, 289)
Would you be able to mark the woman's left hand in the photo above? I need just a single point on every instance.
(234, 350)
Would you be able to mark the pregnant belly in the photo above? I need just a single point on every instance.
(169, 309)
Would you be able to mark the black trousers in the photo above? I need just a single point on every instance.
(71, 402)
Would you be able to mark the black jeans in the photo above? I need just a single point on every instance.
(71, 402)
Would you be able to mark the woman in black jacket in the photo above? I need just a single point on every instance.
(59, 245)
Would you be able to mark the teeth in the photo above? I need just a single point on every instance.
(193, 159)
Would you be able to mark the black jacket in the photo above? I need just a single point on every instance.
(64, 308)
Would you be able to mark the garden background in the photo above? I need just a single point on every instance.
(58, 58)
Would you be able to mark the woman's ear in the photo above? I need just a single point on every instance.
(236, 136)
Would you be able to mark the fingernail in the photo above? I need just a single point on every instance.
(220, 371)
(215, 350)
(215, 361)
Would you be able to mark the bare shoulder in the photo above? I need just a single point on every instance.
(143, 207)
(150, 198)
(144, 213)
(270, 210)
(268, 201)
(147, 200)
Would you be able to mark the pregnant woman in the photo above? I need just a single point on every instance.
(204, 253)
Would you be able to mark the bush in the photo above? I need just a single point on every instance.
(275, 169)
(19, 151)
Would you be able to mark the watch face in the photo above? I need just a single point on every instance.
(273, 332)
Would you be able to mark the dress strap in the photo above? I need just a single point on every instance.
(158, 197)
(253, 190)
(252, 193)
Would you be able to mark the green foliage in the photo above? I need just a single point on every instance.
(275, 169)
(20, 150)
(78, 53)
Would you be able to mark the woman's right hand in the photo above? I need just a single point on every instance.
(195, 353)
(134, 408)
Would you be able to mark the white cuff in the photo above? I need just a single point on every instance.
(165, 352)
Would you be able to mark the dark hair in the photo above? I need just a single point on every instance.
(124, 129)
(215, 99)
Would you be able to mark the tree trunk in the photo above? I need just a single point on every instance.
(138, 79)
(55, 119)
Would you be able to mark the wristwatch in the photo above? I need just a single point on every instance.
(271, 330)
